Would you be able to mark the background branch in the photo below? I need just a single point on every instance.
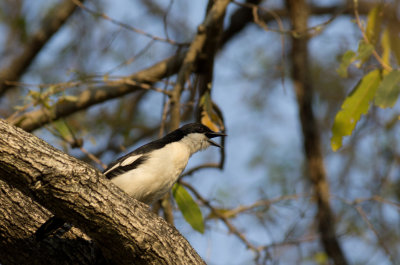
(301, 77)
(35, 119)
(50, 25)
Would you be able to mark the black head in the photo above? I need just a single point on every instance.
(202, 129)
(199, 128)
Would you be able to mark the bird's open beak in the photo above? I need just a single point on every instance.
(215, 134)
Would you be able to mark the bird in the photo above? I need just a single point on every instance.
(150, 171)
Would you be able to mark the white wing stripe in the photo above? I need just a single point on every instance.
(129, 160)
(110, 169)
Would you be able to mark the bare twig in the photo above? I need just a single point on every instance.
(372, 228)
(124, 25)
(37, 118)
(220, 216)
(197, 168)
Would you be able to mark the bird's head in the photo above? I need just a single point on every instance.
(198, 136)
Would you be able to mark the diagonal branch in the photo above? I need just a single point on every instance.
(32, 47)
(20, 217)
(37, 118)
(123, 228)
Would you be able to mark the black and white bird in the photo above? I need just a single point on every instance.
(151, 170)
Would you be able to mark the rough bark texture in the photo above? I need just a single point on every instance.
(19, 219)
(123, 228)
(298, 11)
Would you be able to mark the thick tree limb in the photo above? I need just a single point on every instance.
(298, 11)
(51, 24)
(123, 228)
(20, 217)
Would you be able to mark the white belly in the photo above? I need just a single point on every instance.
(156, 176)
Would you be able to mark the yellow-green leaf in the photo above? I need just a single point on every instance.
(321, 258)
(394, 38)
(388, 90)
(189, 208)
(356, 104)
(347, 58)
(374, 24)
(364, 51)
(385, 42)
(63, 129)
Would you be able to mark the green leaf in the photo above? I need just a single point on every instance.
(321, 258)
(189, 208)
(63, 129)
(388, 91)
(385, 43)
(356, 104)
(347, 58)
(364, 52)
(374, 24)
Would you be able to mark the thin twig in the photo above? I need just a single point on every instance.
(309, 31)
(132, 59)
(220, 216)
(364, 35)
(372, 228)
(126, 26)
(197, 168)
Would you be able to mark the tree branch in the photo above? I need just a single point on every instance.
(298, 11)
(20, 217)
(243, 17)
(37, 118)
(123, 228)
(212, 20)
(50, 25)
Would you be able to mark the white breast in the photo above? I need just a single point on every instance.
(156, 176)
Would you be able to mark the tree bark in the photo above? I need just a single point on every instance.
(298, 11)
(124, 229)
(19, 219)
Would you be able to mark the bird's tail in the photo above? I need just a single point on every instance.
(50, 226)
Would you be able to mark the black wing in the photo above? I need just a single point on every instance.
(123, 164)
(116, 169)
